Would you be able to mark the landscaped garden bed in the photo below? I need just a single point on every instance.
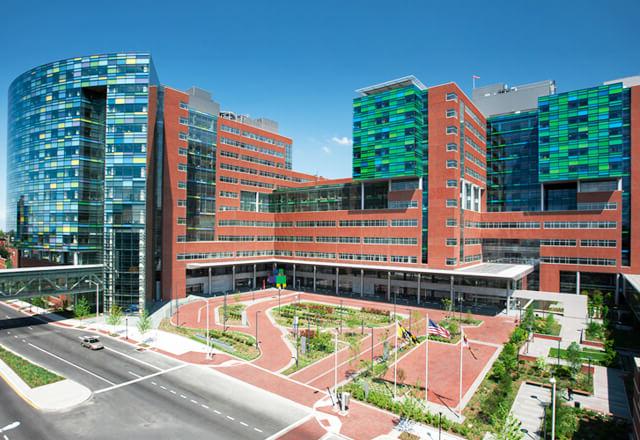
(232, 342)
(325, 315)
(233, 314)
(33, 375)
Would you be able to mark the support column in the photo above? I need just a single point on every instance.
(616, 297)
(254, 277)
(209, 283)
(388, 286)
(314, 278)
(362, 196)
(451, 289)
(233, 278)
(361, 283)
(509, 296)
(577, 283)
(337, 282)
(419, 277)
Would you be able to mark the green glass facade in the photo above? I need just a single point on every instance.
(582, 134)
(389, 133)
(77, 154)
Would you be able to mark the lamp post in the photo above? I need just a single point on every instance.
(126, 326)
(335, 366)
(208, 356)
(340, 316)
(409, 310)
(97, 297)
(257, 342)
(394, 306)
(279, 310)
(558, 351)
(552, 381)
(371, 350)
(440, 426)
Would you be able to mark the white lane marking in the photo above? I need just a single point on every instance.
(256, 429)
(140, 379)
(193, 401)
(8, 332)
(30, 328)
(172, 392)
(133, 358)
(243, 424)
(230, 418)
(153, 383)
(217, 412)
(204, 406)
(163, 387)
(183, 396)
(24, 340)
(134, 374)
(15, 336)
(72, 364)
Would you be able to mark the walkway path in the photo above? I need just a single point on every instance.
(528, 407)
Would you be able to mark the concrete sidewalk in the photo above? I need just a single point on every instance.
(528, 408)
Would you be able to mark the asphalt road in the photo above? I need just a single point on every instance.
(136, 395)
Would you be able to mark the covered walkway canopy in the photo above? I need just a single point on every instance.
(49, 280)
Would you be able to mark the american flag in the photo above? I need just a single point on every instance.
(435, 329)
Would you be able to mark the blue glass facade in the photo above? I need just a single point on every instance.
(77, 160)
(512, 162)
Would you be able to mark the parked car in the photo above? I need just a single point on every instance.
(91, 342)
(132, 308)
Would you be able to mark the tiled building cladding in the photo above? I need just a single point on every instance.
(108, 166)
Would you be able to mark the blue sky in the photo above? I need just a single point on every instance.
(299, 62)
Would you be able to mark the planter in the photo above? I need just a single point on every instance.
(547, 385)
(526, 357)
(596, 344)
(543, 336)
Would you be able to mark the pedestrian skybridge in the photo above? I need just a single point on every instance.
(49, 280)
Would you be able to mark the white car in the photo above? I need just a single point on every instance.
(91, 342)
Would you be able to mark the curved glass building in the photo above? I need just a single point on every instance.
(78, 163)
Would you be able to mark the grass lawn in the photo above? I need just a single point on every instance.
(234, 313)
(33, 375)
(235, 343)
(598, 357)
(324, 315)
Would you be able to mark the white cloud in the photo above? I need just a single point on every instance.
(326, 149)
(345, 141)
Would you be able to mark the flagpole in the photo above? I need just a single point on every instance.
(395, 366)
(460, 390)
(426, 367)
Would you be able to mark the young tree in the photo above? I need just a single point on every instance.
(549, 325)
(115, 316)
(144, 323)
(81, 310)
(528, 320)
(573, 356)
(354, 349)
(508, 429)
(446, 304)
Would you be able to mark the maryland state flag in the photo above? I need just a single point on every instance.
(406, 335)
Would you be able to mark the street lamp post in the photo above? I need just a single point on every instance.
(558, 351)
(208, 356)
(340, 316)
(279, 310)
(372, 350)
(257, 342)
(553, 408)
(335, 366)
(395, 317)
(440, 426)
(126, 326)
